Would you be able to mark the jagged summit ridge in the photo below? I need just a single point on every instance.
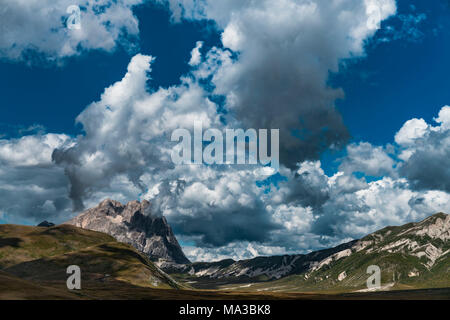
(134, 223)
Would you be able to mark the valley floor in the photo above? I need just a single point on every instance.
(12, 288)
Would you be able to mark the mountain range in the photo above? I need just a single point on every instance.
(126, 248)
(413, 255)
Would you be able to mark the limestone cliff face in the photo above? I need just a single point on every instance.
(134, 224)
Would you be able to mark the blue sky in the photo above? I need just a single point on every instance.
(396, 80)
(399, 79)
(55, 95)
(395, 84)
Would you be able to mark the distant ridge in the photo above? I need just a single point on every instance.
(415, 255)
(46, 224)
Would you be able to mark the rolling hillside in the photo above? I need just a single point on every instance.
(413, 258)
(43, 254)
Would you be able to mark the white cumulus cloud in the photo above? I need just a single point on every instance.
(38, 28)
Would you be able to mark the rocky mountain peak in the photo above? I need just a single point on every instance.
(436, 227)
(134, 223)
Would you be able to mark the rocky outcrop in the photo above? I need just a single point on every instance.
(134, 224)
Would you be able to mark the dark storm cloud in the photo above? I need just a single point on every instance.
(274, 95)
(428, 168)
(285, 52)
(218, 227)
(32, 189)
(308, 187)
(210, 218)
